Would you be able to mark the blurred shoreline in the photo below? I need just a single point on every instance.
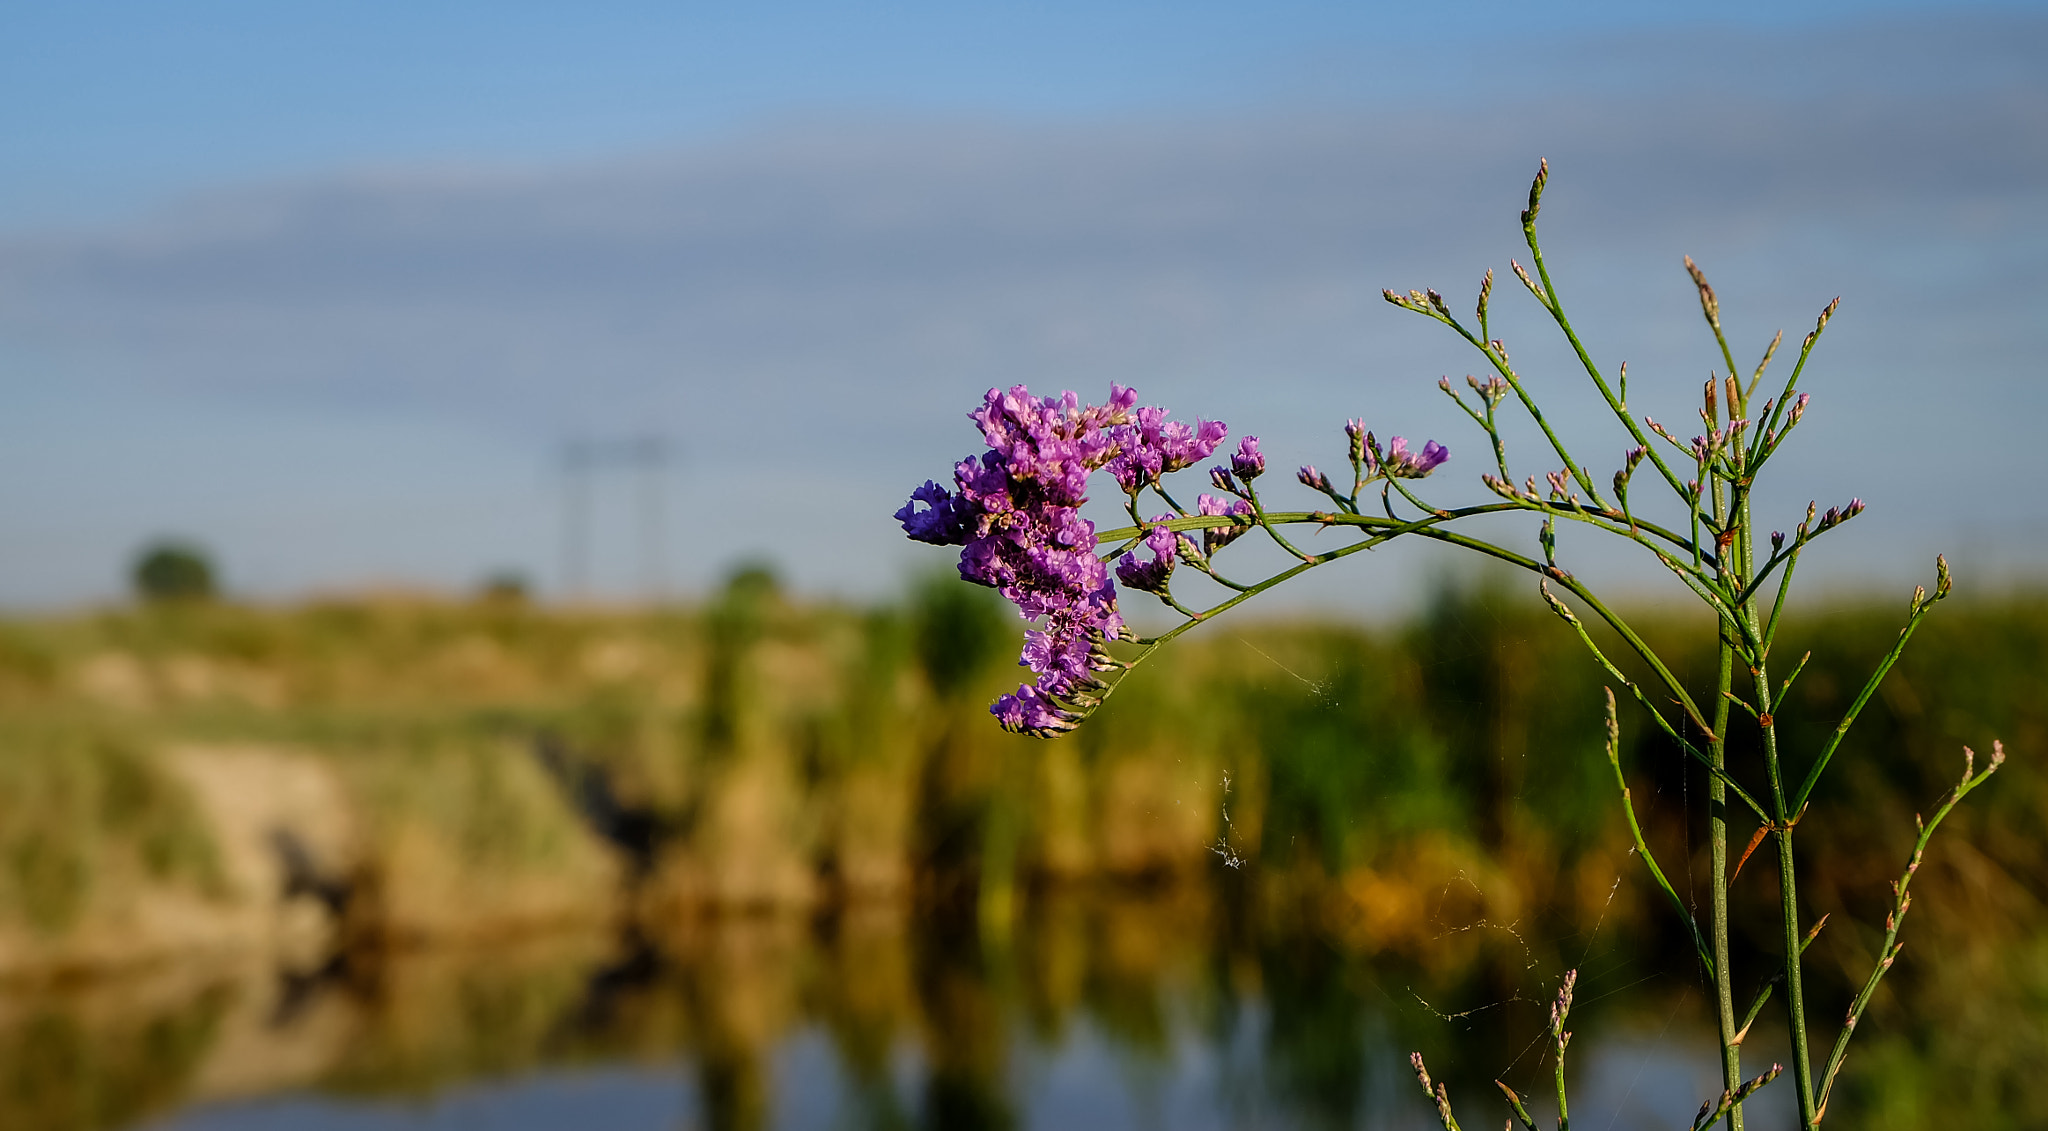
(307, 796)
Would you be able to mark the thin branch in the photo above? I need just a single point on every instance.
(1635, 832)
(1902, 900)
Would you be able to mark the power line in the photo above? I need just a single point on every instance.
(582, 459)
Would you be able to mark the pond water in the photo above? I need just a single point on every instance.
(1154, 1010)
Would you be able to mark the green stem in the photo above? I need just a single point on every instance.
(1725, 510)
(1635, 832)
(1717, 842)
(1259, 515)
(1788, 899)
(1778, 606)
(1598, 518)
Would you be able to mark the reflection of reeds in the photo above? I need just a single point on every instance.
(504, 766)
(1149, 971)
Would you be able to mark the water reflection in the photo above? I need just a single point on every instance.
(1114, 1009)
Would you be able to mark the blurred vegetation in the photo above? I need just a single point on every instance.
(1427, 798)
(86, 809)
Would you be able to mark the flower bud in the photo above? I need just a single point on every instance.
(1523, 274)
(1248, 462)
(1354, 433)
(1493, 388)
(1709, 305)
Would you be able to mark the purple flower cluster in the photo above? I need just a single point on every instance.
(1016, 510)
(1150, 577)
(1215, 538)
(1154, 446)
(1400, 463)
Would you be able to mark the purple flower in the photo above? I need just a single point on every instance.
(1161, 540)
(1054, 442)
(1060, 661)
(1153, 446)
(1215, 538)
(1400, 463)
(1310, 477)
(1146, 577)
(945, 524)
(1136, 468)
(1195, 449)
(1249, 463)
(1029, 712)
(1151, 577)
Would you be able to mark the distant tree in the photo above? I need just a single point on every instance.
(753, 582)
(174, 571)
(506, 587)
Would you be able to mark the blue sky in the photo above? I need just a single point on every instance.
(111, 105)
(327, 287)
